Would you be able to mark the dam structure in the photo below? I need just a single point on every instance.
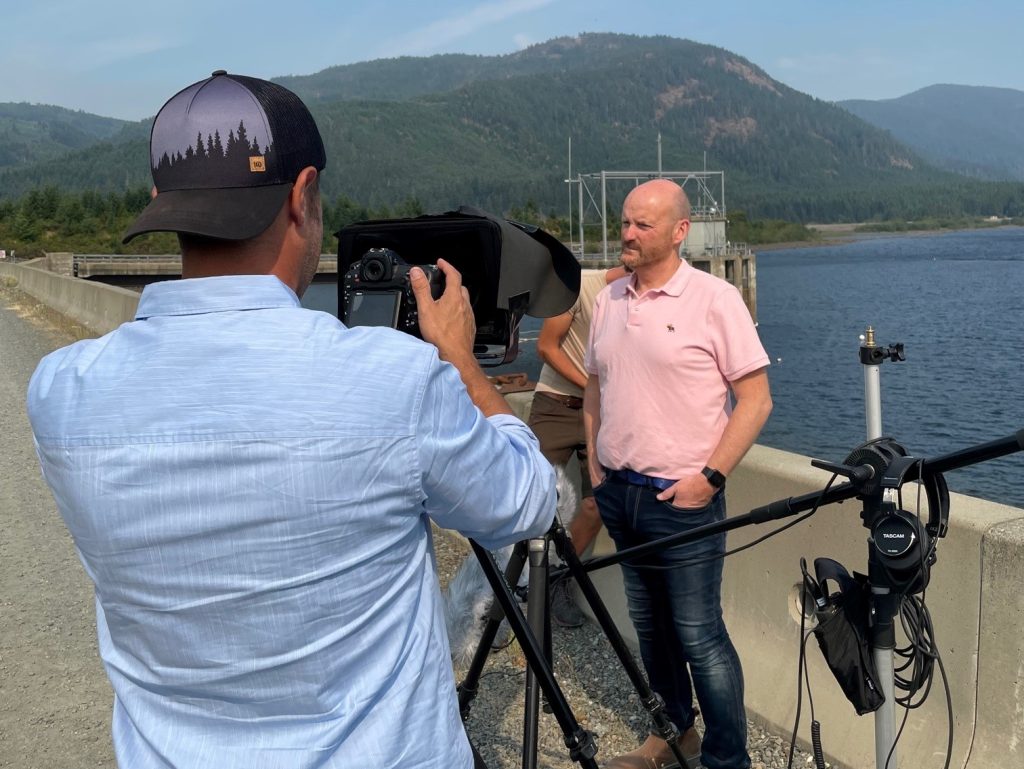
(974, 597)
(706, 246)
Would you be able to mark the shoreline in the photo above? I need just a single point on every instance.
(844, 234)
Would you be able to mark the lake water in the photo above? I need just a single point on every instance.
(954, 300)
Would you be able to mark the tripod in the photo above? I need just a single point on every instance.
(581, 743)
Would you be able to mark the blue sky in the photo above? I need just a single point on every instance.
(124, 58)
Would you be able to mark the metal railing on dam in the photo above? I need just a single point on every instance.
(125, 265)
(975, 596)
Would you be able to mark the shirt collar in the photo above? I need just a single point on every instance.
(223, 293)
(674, 287)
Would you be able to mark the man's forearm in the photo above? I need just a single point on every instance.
(549, 347)
(592, 425)
(562, 363)
(481, 390)
(753, 405)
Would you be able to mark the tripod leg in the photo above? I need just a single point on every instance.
(580, 742)
(478, 761)
(469, 687)
(650, 699)
(536, 617)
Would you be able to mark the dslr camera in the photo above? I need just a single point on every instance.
(508, 269)
(376, 291)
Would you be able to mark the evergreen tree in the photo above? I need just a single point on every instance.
(242, 138)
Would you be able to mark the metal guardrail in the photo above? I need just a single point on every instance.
(91, 265)
(114, 258)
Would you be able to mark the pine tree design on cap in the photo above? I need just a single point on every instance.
(224, 152)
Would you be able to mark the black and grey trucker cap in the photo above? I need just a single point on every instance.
(224, 154)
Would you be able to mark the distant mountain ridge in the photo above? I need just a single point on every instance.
(613, 94)
(30, 133)
(493, 131)
(972, 130)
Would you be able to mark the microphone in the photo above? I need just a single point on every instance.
(858, 475)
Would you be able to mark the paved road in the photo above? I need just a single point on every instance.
(55, 701)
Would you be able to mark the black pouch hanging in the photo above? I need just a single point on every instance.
(842, 634)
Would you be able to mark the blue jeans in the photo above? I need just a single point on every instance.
(677, 614)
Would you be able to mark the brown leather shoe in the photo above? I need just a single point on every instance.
(656, 754)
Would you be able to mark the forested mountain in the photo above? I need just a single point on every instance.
(30, 133)
(493, 131)
(972, 130)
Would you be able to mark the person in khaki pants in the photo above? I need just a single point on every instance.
(556, 417)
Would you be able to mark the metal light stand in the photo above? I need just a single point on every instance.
(883, 639)
(872, 356)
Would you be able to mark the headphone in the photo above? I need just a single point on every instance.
(903, 543)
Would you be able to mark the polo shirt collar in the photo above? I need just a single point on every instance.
(222, 293)
(674, 287)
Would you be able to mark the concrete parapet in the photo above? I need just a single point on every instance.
(999, 724)
(60, 262)
(761, 595)
(96, 306)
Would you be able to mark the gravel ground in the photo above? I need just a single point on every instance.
(591, 677)
(55, 701)
(54, 697)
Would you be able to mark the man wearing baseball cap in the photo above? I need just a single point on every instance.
(250, 484)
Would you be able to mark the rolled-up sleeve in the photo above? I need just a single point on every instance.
(482, 476)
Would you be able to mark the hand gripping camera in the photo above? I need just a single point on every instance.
(508, 269)
(376, 291)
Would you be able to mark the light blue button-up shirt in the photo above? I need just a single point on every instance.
(249, 485)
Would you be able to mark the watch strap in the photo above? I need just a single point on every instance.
(714, 477)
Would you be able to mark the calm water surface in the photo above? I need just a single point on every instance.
(954, 300)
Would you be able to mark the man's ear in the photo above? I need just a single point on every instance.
(298, 198)
(684, 229)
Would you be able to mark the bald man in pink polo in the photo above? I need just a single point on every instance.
(677, 394)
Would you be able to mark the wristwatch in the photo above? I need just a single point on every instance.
(714, 477)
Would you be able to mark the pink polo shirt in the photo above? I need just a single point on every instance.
(665, 359)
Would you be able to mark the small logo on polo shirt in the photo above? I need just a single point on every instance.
(670, 327)
(257, 164)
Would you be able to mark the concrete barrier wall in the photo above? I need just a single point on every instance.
(976, 601)
(98, 307)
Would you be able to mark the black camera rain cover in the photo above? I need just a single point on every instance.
(501, 262)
